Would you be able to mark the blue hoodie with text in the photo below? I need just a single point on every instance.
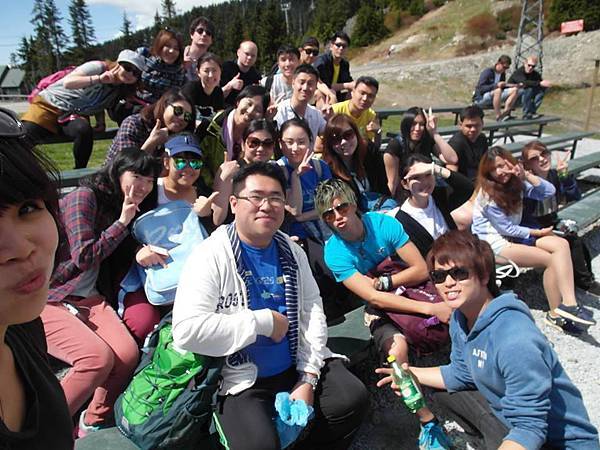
(511, 363)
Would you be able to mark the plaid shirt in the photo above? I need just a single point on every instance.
(133, 132)
(159, 77)
(91, 237)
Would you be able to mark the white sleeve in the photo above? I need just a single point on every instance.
(206, 291)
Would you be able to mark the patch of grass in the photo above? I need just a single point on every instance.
(62, 154)
(482, 25)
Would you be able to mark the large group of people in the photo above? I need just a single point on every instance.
(221, 197)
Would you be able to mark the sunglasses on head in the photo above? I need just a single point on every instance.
(179, 111)
(311, 51)
(130, 68)
(201, 30)
(329, 214)
(345, 135)
(253, 143)
(180, 163)
(438, 276)
(10, 125)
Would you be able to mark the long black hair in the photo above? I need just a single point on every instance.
(106, 183)
(406, 124)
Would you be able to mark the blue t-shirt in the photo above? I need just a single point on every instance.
(383, 236)
(266, 290)
(308, 182)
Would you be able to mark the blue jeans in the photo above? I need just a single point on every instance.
(532, 99)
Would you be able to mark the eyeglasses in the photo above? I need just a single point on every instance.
(311, 51)
(10, 125)
(344, 135)
(254, 143)
(340, 44)
(130, 68)
(329, 214)
(457, 273)
(258, 200)
(201, 30)
(180, 163)
(179, 111)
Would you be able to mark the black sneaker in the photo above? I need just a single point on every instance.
(593, 288)
(564, 325)
(576, 314)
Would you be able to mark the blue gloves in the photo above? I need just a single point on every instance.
(293, 416)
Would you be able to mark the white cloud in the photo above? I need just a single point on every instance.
(141, 12)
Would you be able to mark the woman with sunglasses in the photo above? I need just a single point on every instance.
(81, 327)
(182, 163)
(504, 381)
(205, 93)
(164, 69)
(352, 160)
(33, 410)
(418, 134)
(426, 207)
(502, 184)
(150, 128)
(539, 214)
(64, 106)
(259, 141)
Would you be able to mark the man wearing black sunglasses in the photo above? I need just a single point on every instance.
(333, 69)
(202, 32)
(532, 87)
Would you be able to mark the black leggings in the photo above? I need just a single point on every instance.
(341, 401)
(79, 130)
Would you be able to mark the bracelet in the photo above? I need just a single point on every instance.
(385, 283)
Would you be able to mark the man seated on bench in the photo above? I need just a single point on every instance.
(358, 246)
(247, 293)
(531, 87)
(469, 143)
(492, 89)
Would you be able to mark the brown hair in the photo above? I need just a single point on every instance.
(330, 156)
(157, 110)
(533, 145)
(464, 249)
(161, 40)
(507, 196)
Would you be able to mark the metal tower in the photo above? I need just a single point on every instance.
(531, 33)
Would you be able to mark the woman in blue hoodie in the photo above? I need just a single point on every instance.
(504, 380)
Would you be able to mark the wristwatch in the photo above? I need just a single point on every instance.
(310, 379)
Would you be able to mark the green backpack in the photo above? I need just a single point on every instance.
(169, 402)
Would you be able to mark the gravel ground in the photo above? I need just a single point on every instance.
(389, 425)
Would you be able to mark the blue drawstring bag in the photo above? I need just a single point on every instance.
(292, 418)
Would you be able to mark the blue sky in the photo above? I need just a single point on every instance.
(107, 18)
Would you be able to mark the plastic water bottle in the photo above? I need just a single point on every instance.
(411, 394)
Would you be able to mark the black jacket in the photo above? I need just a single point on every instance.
(324, 64)
(487, 82)
(529, 80)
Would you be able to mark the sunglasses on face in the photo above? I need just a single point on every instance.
(329, 215)
(180, 163)
(340, 44)
(179, 111)
(457, 273)
(345, 135)
(545, 154)
(254, 143)
(532, 66)
(130, 68)
(311, 51)
(201, 30)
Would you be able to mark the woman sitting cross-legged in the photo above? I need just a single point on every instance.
(81, 327)
(504, 381)
(426, 213)
(502, 184)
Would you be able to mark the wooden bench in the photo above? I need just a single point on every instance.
(384, 113)
(109, 133)
(70, 178)
(564, 141)
(582, 163)
(585, 212)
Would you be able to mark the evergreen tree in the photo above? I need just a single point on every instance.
(157, 23)
(58, 39)
(168, 11)
(41, 54)
(126, 30)
(330, 16)
(82, 30)
(270, 33)
(369, 26)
